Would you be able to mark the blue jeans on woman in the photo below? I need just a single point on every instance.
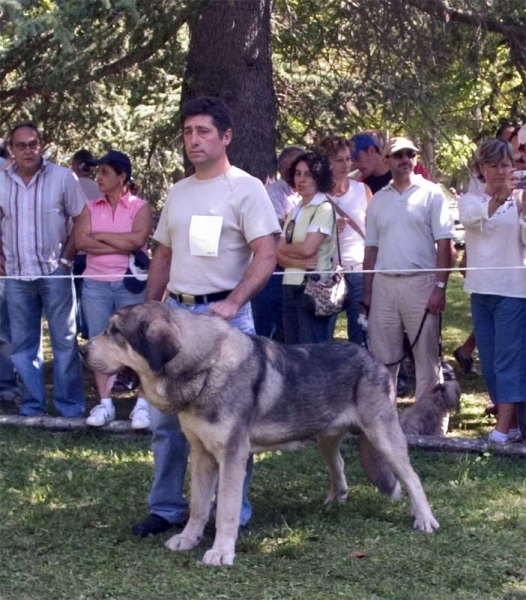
(299, 325)
(500, 330)
(26, 300)
(355, 332)
(170, 448)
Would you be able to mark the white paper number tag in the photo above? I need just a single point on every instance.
(204, 235)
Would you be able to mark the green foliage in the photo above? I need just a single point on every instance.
(102, 73)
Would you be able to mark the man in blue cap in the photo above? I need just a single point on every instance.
(367, 156)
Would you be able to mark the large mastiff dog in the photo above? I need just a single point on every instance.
(236, 394)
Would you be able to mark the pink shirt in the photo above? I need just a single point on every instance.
(104, 220)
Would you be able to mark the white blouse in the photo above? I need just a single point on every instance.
(496, 241)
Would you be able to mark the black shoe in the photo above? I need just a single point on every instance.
(152, 525)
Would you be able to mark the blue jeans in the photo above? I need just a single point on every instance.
(100, 299)
(170, 448)
(268, 308)
(7, 369)
(25, 301)
(355, 332)
(500, 330)
(300, 326)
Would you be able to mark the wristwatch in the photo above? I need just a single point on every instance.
(440, 284)
(66, 262)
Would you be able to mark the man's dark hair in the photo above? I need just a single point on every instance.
(29, 125)
(4, 152)
(208, 105)
(82, 156)
(502, 129)
(320, 169)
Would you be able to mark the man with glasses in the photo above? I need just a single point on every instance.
(408, 234)
(37, 201)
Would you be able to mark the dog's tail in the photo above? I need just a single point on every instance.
(422, 418)
(377, 469)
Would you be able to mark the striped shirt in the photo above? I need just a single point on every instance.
(34, 218)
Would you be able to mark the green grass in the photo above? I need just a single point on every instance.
(67, 503)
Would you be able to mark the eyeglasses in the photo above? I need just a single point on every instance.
(289, 231)
(21, 146)
(401, 153)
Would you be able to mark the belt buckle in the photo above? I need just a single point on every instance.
(188, 299)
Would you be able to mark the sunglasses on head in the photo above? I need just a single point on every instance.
(289, 230)
(401, 153)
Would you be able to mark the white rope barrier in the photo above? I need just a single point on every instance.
(282, 273)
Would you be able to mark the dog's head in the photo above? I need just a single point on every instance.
(448, 394)
(144, 336)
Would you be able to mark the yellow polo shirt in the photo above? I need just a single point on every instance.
(317, 215)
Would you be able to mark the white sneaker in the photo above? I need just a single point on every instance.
(140, 417)
(100, 415)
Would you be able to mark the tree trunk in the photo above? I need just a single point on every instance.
(230, 57)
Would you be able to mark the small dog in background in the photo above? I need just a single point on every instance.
(426, 416)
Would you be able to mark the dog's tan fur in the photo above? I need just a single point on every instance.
(236, 394)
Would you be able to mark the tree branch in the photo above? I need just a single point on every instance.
(158, 39)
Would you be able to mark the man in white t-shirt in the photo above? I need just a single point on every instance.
(408, 228)
(217, 249)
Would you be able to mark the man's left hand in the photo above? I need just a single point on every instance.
(437, 301)
(226, 309)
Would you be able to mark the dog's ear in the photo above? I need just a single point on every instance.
(158, 342)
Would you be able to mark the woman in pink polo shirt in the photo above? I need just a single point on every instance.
(108, 230)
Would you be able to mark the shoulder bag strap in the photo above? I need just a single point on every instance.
(351, 221)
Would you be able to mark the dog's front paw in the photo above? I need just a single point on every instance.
(182, 541)
(219, 558)
(339, 495)
(426, 524)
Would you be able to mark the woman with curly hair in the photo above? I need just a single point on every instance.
(351, 200)
(307, 243)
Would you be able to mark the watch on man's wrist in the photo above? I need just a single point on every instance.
(440, 284)
(66, 262)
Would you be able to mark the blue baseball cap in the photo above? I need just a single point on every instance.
(362, 141)
(114, 158)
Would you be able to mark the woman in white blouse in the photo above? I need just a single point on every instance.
(495, 241)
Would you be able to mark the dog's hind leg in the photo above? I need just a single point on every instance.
(232, 472)
(378, 470)
(204, 474)
(390, 441)
(329, 446)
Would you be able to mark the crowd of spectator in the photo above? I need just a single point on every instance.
(366, 196)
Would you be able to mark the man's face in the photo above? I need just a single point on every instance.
(402, 163)
(202, 142)
(25, 149)
(367, 160)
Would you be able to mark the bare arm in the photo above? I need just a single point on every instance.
(437, 300)
(85, 241)
(70, 249)
(254, 279)
(159, 273)
(299, 263)
(135, 239)
(369, 260)
(304, 249)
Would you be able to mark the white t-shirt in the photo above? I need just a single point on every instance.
(405, 226)
(247, 214)
(354, 204)
(496, 241)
